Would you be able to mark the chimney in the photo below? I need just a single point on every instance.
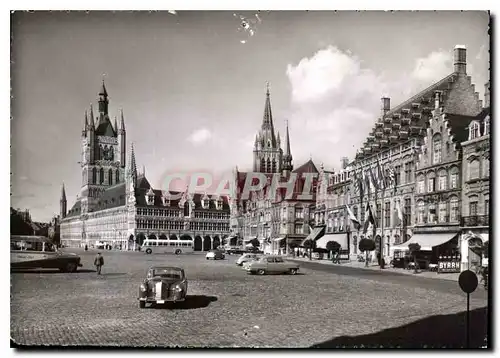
(344, 162)
(460, 59)
(386, 105)
(487, 94)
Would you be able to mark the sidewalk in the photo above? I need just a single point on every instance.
(374, 266)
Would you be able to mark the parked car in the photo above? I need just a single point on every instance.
(163, 284)
(234, 250)
(254, 250)
(215, 255)
(273, 265)
(246, 258)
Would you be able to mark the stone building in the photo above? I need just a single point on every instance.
(275, 220)
(119, 207)
(397, 142)
(475, 220)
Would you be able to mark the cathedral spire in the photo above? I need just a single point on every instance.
(132, 169)
(116, 125)
(268, 116)
(122, 124)
(287, 156)
(85, 125)
(103, 91)
(63, 203)
(92, 123)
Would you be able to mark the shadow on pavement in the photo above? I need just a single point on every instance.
(48, 271)
(191, 302)
(439, 331)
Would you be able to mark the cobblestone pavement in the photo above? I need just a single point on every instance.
(225, 308)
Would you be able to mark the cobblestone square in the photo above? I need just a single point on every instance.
(225, 306)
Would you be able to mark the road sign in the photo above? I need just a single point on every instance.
(468, 281)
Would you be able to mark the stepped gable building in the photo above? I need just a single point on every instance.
(118, 206)
(398, 140)
(275, 220)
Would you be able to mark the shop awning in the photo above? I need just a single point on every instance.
(317, 233)
(250, 239)
(486, 237)
(340, 238)
(426, 241)
(278, 239)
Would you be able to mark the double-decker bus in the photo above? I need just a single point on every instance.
(33, 252)
(159, 246)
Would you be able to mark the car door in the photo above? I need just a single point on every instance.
(279, 265)
(271, 265)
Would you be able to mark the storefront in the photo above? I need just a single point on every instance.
(471, 250)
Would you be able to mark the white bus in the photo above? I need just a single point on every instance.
(160, 246)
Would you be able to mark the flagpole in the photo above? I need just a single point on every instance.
(382, 224)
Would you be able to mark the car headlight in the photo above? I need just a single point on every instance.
(143, 287)
(178, 288)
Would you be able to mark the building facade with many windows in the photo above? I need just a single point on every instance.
(119, 207)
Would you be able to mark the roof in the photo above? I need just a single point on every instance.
(459, 126)
(166, 267)
(105, 128)
(307, 167)
(75, 210)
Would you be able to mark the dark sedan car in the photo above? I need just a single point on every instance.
(163, 284)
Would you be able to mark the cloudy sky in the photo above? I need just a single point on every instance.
(192, 84)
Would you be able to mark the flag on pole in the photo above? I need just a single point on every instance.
(380, 175)
(367, 182)
(369, 218)
(353, 218)
(374, 179)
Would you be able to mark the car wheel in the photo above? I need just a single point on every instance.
(223, 257)
(261, 272)
(178, 252)
(142, 304)
(148, 251)
(293, 271)
(208, 258)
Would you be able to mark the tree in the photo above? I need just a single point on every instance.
(414, 248)
(333, 247)
(366, 245)
(310, 245)
(255, 242)
(140, 238)
(162, 237)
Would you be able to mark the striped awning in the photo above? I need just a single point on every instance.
(315, 234)
(426, 241)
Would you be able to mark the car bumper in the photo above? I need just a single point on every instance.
(171, 299)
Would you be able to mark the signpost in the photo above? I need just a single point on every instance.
(468, 283)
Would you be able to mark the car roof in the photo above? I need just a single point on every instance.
(165, 268)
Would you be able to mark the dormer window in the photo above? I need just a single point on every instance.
(219, 203)
(487, 125)
(474, 131)
(205, 202)
(166, 198)
(150, 197)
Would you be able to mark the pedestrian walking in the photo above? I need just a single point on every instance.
(336, 258)
(99, 262)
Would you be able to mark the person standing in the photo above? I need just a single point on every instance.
(99, 262)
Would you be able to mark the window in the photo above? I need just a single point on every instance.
(407, 173)
(101, 176)
(442, 212)
(94, 176)
(421, 184)
(487, 207)
(454, 209)
(474, 169)
(454, 178)
(387, 214)
(487, 126)
(117, 176)
(442, 180)
(486, 166)
(421, 212)
(378, 215)
(473, 207)
(430, 183)
(436, 149)
(110, 177)
(407, 211)
(397, 174)
(432, 214)
(474, 130)
(299, 213)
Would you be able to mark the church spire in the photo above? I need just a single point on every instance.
(122, 124)
(63, 203)
(268, 116)
(85, 125)
(116, 125)
(92, 123)
(132, 169)
(287, 156)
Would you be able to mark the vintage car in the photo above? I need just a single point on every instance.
(215, 255)
(246, 258)
(163, 284)
(272, 265)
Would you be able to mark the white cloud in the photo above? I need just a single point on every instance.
(200, 136)
(335, 102)
(432, 68)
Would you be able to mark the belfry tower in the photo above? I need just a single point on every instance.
(103, 153)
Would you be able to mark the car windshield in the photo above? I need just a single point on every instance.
(166, 273)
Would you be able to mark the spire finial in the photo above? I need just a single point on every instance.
(103, 87)
(267, 88)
